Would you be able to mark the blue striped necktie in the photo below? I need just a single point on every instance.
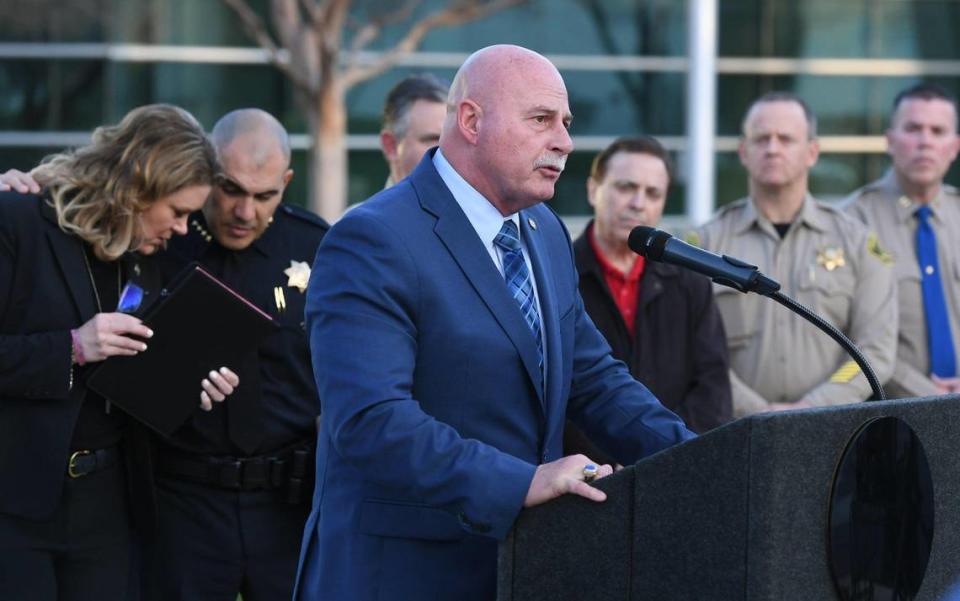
(943, 359)
(517, 275)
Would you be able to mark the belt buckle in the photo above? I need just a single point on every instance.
(72, 464)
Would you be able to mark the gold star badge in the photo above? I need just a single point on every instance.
(831, 258)
(298, 274)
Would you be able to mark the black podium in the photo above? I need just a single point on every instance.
(741, 513)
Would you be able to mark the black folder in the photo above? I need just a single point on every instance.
(199, 324)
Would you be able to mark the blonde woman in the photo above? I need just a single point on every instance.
(65, 255)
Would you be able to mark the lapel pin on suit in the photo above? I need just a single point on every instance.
(533, 224)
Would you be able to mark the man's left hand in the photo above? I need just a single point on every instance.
(564, 476)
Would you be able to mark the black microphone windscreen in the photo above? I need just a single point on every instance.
(648, 241)
(658, 244)
(639, 240)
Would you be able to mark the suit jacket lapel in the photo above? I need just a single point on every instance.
(455, 232)
(68, 251)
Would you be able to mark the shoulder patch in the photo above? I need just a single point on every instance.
(874, 248)
(303, 215)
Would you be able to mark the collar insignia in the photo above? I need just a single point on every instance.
(201, 230)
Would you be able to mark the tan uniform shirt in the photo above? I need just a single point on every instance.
(827, 261)
(885, 209)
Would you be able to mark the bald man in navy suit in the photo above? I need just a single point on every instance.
(449, 344)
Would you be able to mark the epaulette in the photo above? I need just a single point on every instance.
(730, 206)
(868, 192)
(831, 207)
(303, 215)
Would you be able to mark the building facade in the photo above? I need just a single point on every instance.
(69, 65)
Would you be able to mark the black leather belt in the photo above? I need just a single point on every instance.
(86, 462)
(285, 467)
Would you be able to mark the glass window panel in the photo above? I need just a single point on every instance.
(207, 91)
(654, 27)
(845, 106)
(620, 103)
(923, 29)
(53, 20)
(180, 22)
(24, 159)
(592, 27)
(51, 95)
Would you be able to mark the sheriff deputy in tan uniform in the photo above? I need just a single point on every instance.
(822, 257)
(923, 142)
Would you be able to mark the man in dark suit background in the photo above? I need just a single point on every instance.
(413, 116)
(449, 345)
(659, 319)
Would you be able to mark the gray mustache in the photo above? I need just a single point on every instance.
(558, 162)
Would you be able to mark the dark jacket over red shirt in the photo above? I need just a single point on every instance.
(679, 351)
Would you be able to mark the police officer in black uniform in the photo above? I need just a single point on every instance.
(233, 485)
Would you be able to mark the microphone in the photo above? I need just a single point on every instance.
(660, 246)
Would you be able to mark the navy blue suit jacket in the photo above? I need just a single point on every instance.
(433, 417)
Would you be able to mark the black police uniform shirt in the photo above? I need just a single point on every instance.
(272, 273)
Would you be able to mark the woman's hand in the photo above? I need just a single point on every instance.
(107, 335)
(217, 386)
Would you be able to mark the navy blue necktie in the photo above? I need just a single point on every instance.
(517, 275)
(943, 359)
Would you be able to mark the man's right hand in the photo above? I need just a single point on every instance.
(106, 335)
(564, 476)
(18, 181)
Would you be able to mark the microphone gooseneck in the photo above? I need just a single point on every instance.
(660, 246)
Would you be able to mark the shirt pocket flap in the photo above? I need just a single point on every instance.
(740, 321)
(839, 282)
(408, 520)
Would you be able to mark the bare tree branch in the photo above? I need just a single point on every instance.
(313, 9)
(286, 21)
(371, 30)
(332, 18)
(374, 26)
(257, 31)
(456, 14)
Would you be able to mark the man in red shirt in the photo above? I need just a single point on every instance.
(659, 319)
